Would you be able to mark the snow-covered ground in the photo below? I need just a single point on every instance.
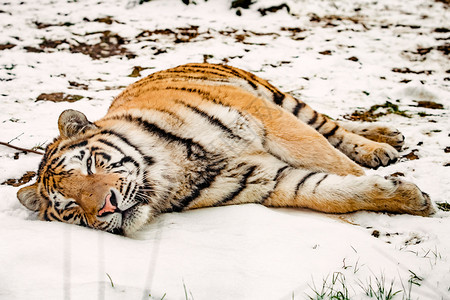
(338, 56)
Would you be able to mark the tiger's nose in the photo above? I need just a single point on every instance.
(110, 205)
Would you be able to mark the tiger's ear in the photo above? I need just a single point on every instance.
(72, 122)
(29, 197)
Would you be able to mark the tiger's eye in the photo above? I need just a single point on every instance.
(116, 164)
(89, 165)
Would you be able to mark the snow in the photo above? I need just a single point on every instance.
(236, 252)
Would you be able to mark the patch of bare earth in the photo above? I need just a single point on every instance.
(6, 46)
(375, 112)
(58, 97)
(110, 44)
(22, 180)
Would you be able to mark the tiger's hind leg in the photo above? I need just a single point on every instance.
(359, 147)
(299, 145)
(332, 193)
(366, 152)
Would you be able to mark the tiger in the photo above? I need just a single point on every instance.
(207, 135)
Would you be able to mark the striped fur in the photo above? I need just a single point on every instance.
(203, 135)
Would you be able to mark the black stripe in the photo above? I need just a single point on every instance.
(122, 185)
(134, 192)
(214, 67)
(237, 74)
(212, 120)
(52, 151)
(68, 216)
(73, 146)
(47, 155)
(180, 76)
(278, 98)
(81, 156)
(122, 138)
(68, 204)
(319, 182)
(44, 197)
(59, 163)
(204, 182)
(145, 192)
(265, 197)
(241, 187)
(222, 68)
(172, 114)
(125, 196)
(149, 160)
(102, 226)
(89, 164)
(53, 217)
(45, 217)
(314, 118)
(339, 143)
(193, 149)
(55, 204)
(126, 141)
(107, 157)
(297, 108)
(303, 181)
(189, 70)
(54, 161)
(278, 177)
(332, 131)
(83, 221)
(108, 143)
(126, 159)
(321, 124)
(280, 170)
(206, 95)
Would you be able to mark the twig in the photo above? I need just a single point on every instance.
(15, 138)
(21, 149)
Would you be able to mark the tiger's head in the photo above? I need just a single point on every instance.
(94, 177)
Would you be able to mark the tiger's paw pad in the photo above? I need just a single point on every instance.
(375, 155)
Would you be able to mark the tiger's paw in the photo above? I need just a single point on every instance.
(410, 199)
(383, 134)
(374, 155)
(377, 133)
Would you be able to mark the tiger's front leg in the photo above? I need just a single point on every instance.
(343, 194)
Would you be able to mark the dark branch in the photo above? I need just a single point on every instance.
(21, 149)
